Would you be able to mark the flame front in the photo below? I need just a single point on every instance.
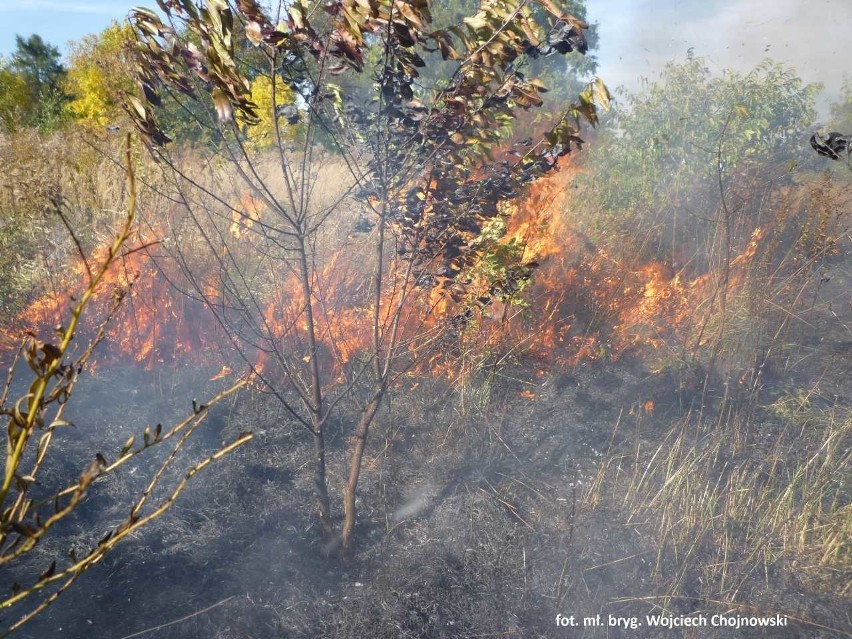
(582, 304)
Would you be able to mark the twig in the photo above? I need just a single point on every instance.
(177, 621)
(615, 561)
(57, 205)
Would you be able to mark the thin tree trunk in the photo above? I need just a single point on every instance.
(370, 410)
(315, 405)
(363, 429)
(320, 483)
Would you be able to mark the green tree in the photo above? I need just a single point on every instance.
(263, 135)
(37, 63)
(841, 110)
(659, 163)
(14, 98)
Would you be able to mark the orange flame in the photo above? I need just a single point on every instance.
(582, 305)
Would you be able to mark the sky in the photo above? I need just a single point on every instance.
(59, 21)
(637, 37)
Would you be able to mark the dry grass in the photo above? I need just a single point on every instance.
(734, 502)
(40, 174)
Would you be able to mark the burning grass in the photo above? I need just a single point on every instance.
(586, 301)
(156, 325)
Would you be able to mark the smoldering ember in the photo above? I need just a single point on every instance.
(391, 319)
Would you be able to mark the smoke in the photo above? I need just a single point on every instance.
(637, 37)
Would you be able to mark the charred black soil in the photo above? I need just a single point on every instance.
(487, 522)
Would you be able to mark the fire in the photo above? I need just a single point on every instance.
(246, 215)
(225, 372)
(582, 304)
(155, 324)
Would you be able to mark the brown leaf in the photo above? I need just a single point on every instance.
(224, 108)
(47, 574)
(409, 13)
(24, 529)
(254, 33)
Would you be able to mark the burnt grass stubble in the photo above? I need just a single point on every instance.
(470, 525)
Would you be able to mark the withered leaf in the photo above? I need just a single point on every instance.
(254, 33)
(24, 530)
(831, 146)
(409, 13)
(127, 445)
(601, 94)
(51, 352)
(47, 574)
(224, 108)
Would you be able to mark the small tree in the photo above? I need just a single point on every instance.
(841, 109)
(31, 511)
(422, 195)
(705, 171)
(662, 157)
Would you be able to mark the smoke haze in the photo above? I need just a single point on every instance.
(637, 37)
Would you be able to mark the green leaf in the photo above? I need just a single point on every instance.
(476, 22)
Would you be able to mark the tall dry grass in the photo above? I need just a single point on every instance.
(735, 503)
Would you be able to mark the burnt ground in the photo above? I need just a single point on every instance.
(474, 521)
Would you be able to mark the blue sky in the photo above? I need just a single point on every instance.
(58, 21)
(637, 36)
